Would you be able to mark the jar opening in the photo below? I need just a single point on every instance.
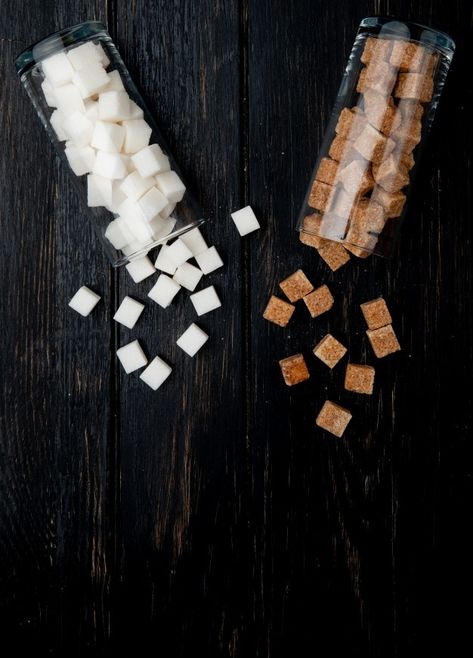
(411, 31)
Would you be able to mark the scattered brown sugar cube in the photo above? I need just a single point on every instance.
(329, 350)
(296, 286)
(327, 171)
(350, 124)
(309, 234)
(391, 176)
(408, 56)
(381, 112)
(415, 86)
(373, 145)
(356, 177)
(380, 76)
(376, 313)
(358, 251)
(319, 301)
(383, 341)
(359, 378)
(368, 215)
(392, 202)
(361, 83)
(321, 195)
(333, 418)
(340, 148)
(334, 254)
(376, 47)
(294, 369)
(278, 311)
(333, 227)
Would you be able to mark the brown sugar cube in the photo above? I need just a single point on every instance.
(333, 418)
(341, 149)
(329, 350)
(392, 202)
(383, 341)
(327, 171)
(359, 242)
(380, 76)
(321, 195)
(415, 86)
(319, 301)
(430, 64)
(356, 177)
(333, 227)
(376, 313)
(350, 123)
(408, 136)
(357, 251)
(408, 56)
(381, 112)
(373, 145)
(343, 203)
(377, 47)
(391, 176)
(410, 110)
(334, 254)
(368, 215)
(361, 86)
(296, 286)
(310, 229)
(359, 378)
(294, 369)
(404, 159)
(278, 311)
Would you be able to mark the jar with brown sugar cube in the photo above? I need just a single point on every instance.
(362, 179)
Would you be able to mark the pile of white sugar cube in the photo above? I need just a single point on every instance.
(107, 139)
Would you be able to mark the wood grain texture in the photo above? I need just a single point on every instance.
(212, 518)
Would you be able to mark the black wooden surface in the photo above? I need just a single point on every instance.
(211, 518)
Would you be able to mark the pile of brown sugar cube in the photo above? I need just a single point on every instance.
(358, 191)
(359, 378)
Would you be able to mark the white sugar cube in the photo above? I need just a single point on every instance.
(91, 80)
(81, 159)
(118, 233)
(56, 120)
(178, 252)
(108, 137)
(150, 161)
(164, 291)
(114, 106)
(187, 276)
(245, 220)
(118, 197)
(167, 227)
(165, 212)
(78, 128)
(209, 260)
(157, 225)
(137, 135)
(132, 357)
(110, 165)
(84, 301)
(192, 340)
(205, 300)
(135, 111)
(69, 99)
(140, 228)
(164, 263)
(156, 373)
(131, 210)
(151, 203)
(83, 56)
(49, 94)
(57, 69)
(171, 186)
(128, 312)
(115, 82)
(134, 185)
(99, 191)
(136, 250)
(91, 110)
(103, 57)
(194, 240)
(140, 269)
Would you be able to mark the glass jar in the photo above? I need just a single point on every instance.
(385, 106)
(105, 134)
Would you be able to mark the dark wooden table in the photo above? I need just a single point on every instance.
(212, 518)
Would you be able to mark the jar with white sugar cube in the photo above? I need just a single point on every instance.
(104, 133)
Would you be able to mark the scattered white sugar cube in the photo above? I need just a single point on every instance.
(84, 301)
(115, 82)
(192, 340)
(164, 291)
(81, 159)
(83, 56)
(156, 373)
(49, 94)
(108, 137)
(135, 111)
(114, 106)
(151, 203)
(99, 191)
(91, 110)
(150, 161)
(57, 69)
(137, 135)
(171, 186)
(110, 165)
(245, 220)
(194, 240)
(187, 276)
(78, 128)
(163, 263)
(178, 252)
(102, 55)
(205, 300)
(118, 197)
(56, 120)
(128, 312)
(134, 185)
(91, 80)
(165, 212)
(140, 269)
(140, 228)
(132, 357)
(118, 233)
(209, 260)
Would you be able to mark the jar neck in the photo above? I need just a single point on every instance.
(389, 27)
